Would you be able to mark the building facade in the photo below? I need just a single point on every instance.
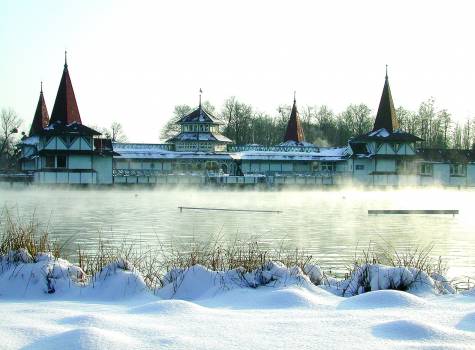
(61, 149)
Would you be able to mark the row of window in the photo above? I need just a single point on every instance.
(208, 166)
(200, 128)
(424, 169)
(193, 146)
(324, 167)
(427, 169)
(56, 162)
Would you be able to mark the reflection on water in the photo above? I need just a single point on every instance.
(329, 224)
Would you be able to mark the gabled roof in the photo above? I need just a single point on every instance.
(200, 136)
(386, 116)
(59, 128)
(294, 131)
(199, 115)
(41, 118)
(383, 135)
(65, 107)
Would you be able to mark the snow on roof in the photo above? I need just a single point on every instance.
(292, 143)
(160, 151)
(163, 151)
(32, 140)
(337, 153)
(199, 115)
(380, 133)
(200, 136)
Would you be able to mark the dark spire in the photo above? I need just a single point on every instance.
(65, 107)
(201, 91)
(41, 118)
(386, 116)
(294, 131)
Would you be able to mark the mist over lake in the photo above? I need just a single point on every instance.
(332, 225)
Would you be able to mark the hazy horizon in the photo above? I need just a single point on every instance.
(132, 62)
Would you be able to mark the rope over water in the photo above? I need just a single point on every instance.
(225, 209)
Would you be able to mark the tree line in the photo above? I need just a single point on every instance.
(244, 124)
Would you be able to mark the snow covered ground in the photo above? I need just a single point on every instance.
(48, 304)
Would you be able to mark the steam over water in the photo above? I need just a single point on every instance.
(332, 225)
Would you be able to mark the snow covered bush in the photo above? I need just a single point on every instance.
(198, 281)
(373, 277)
(24, 275)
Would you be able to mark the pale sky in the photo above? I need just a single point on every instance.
(133, 61)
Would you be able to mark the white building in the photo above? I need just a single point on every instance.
(62, 150)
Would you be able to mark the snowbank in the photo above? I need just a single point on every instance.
(272, 307)
(22, 276)
(198, 282)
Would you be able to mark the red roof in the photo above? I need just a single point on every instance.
(386, 116)
(65, 108)
(294, 131)
(41, 118)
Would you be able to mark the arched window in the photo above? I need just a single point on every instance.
(211, 166)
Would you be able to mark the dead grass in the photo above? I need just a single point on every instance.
(216, 254)
(19, 233)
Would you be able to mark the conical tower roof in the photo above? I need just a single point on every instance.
(41, 118)
(386, 116)
(65, 109)
(294, 131)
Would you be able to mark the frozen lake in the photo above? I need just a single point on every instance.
(332, 225)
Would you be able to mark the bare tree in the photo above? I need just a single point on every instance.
(9, 125)
(117, 132)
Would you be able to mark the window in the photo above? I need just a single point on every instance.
(359, 167)
(327, 167)
(404, 166)
(359, 148)
(211, 166)
(50, 162)
(425, 169)
(60, 161)
(458, 170)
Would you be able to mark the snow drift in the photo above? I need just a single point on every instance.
(24, 276)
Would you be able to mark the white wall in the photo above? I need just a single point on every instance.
(79, 161)
(103, 168)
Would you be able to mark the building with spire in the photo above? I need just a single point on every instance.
(200, 133)
(386, 153)
(294, 132)
(62, 150)
(41, 117)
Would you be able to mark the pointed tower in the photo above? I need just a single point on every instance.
(65, 109)
(294, 131)
(386, 116)
(41, 118)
